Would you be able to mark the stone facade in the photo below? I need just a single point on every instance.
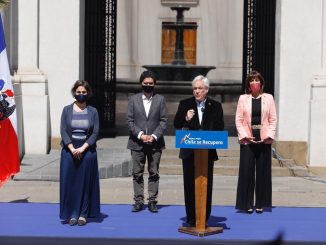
(46, 44)
(299, 59)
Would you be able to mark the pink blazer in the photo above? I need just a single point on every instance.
(268, 116)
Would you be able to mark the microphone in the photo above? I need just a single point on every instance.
(202, 109)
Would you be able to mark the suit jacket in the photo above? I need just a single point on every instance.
(268, 116)
(212, 120)
(65, 126)
(155, 123)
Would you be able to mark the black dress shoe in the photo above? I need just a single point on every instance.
(152, 207)
(137, 207)
(191, 223)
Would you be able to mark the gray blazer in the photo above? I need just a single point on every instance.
(155, 123)
(65, 127)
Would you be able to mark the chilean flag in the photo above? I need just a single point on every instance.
(9, 154)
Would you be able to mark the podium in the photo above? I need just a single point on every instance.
(201, 141)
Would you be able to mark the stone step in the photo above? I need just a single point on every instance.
(115, 160)
(223, 160)
(222, 170)
(222, 153)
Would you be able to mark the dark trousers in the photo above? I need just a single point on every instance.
(138, 160)
(189, 188)
(255, 176)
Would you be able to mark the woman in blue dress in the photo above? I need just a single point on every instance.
(79, 177)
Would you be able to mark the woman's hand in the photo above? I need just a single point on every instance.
(73, 150)
(247, 140)
(268, 141)
(79, 151)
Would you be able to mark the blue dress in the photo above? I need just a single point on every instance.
(79, 179)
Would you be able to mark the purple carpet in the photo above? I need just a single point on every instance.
(38, 223)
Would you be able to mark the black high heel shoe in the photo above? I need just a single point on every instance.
(259, 210)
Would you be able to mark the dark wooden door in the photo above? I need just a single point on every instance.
(168, 45)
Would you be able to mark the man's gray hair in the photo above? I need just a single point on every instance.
(201, 78)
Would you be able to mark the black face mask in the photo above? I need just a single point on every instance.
(148, 89)
(81, 98)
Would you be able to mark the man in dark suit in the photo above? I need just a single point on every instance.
(147, 121)
(198, 113)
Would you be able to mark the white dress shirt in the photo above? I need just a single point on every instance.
(147, 102)
(200, 109)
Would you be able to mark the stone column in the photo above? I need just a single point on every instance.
(317, 116)
(297, 58)
(317, 146)
(35, 102)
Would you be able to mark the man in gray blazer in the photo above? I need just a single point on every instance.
(147, 121)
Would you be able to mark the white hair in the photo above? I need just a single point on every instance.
(201, 78)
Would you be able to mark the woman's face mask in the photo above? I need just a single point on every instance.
(81, 98)
(255, 86)
(81, 94)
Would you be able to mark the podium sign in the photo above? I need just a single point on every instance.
(199, 139)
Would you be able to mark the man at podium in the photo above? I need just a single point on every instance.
(198, 113)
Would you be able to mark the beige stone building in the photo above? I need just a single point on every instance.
(46, 47)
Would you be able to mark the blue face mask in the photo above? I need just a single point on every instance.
(81, 98)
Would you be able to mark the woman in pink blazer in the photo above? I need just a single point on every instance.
(256, 124)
